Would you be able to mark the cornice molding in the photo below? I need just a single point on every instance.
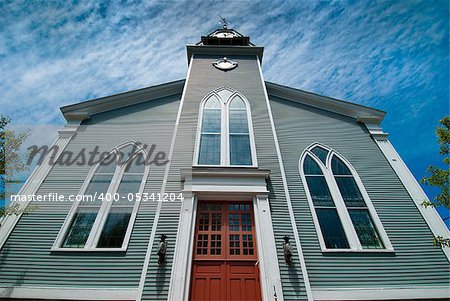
(375, 131)
(233, 180)
(76, 116)
(225, 172)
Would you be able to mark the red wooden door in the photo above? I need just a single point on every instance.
(225, 260)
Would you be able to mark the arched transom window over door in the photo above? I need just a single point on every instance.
(343, 213)
(225, 135)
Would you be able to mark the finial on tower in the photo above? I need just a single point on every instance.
(224, 22)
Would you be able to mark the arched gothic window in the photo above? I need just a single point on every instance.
(104, 218)
(210, 139)
(225, 130)
(342, 211)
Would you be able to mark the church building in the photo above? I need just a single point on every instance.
(222, 186)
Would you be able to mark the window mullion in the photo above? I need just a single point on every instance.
(347, 224)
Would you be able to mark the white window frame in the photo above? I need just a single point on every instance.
(224, 127)
(347, 224)
(105, 207)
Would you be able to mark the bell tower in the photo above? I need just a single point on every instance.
(225, 41)
(223, 122)
(225, 36)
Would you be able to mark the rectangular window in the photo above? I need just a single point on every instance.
(240, 152)
(99, 184)
(350, 192)
(211, 121)
(365, 229)
(332, 230)
(80, 228)
(115, 227)
(130, 183)
(238, 121)
(320, 193)
(209, 149)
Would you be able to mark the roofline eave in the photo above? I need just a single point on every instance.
(359, 112)
(99, 105)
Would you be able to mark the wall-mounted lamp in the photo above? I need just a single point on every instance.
(162, 249)
(287, 250)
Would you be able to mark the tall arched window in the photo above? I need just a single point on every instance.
(104, 217)
(239, 137)
(342, 211)
(210, 143)
(225, 130)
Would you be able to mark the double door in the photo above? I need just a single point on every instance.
(225, 263)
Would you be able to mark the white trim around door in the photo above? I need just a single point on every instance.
(270, 277)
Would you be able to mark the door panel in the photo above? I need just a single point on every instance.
(208, 281)
(225, 280)
(244, 281)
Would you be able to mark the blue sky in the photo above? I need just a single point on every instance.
(391, 55)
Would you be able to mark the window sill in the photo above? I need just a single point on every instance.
(88, 250)
(389, 251)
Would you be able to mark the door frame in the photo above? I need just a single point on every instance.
(269, 271)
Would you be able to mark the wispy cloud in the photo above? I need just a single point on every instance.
(392, 55)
